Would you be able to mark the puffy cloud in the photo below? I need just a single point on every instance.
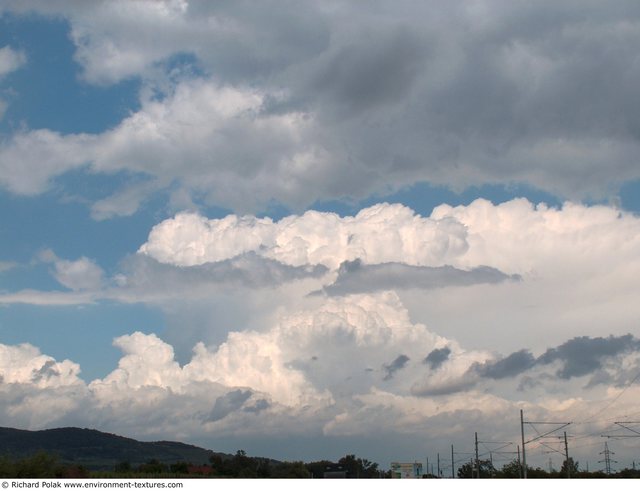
(526, 238)
(323, 372)
(24, 364)
(379, 234)
(147, 361)
(515, 236)
(577, 265)
(10, 60)
(310, 359)
(198, 128)
(30, 159)
(80, 275)
(242, 270)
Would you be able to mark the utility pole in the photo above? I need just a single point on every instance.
(607, 459)
(524, 455)
(453, 467)
(477, 459)
(566, 455)
(519, 463)
(439, 475)
(559, 426)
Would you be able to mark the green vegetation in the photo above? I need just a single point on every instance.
(513, 470)
(40, 465)
(44, 465)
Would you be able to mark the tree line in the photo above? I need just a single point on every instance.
(240, 465)
(513, 470)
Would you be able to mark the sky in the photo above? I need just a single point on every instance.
(308, 229)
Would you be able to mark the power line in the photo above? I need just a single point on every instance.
(598, 413)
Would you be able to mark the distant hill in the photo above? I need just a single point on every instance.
(95, 449)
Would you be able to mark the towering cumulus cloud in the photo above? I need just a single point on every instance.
(382, 233)
(337, 341)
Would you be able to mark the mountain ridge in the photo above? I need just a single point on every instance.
(95, 449)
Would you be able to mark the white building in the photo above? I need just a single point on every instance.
(404, 470)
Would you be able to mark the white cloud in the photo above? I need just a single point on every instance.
(214, 276)
(7, 266)
(572, 283)
(577, 264)
(39, 297)
(24, 364)
(30, 159)
(191, 137)
(10, 60)
(147, 361)
(520, 237)
(318, 372)
(382, 233)
(83, 274)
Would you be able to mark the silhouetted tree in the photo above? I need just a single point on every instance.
(122, 467)
(359, 468)
(512, 470)
(153, 467)
(573, 468)
(295, 470)
(179, 468)
(467, 471)
(40, 465)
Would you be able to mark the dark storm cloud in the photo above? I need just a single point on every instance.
(228, 403)
(356, 277)
(437, 357)
(583, 355)
(512, 365)
(578, 356)
(397, 364)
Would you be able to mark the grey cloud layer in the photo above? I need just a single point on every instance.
(355, 277)
(578, 356)
(347, 101)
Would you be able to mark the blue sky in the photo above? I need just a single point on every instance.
(413, 179)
